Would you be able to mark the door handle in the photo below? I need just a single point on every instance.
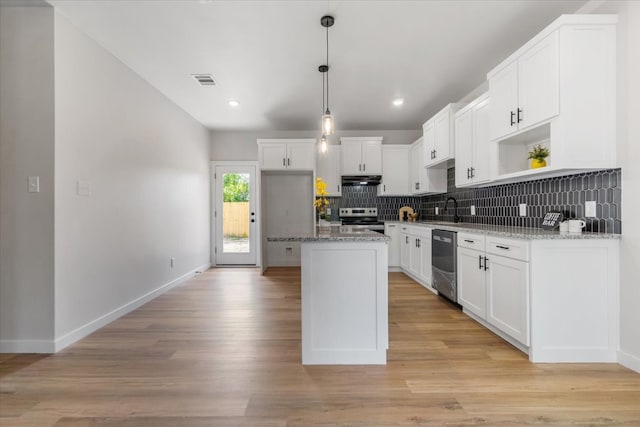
(486, 267)
(506, 248)
(479, 261)
(284, 162)
(288, 161)
(360, 167)
(513, 115)
(406, 240)
(384, 187)
(473, 172)
(338, 186)
(519, 115)
(468, 173)
(364, 167)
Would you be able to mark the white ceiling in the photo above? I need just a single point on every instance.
(265, 54)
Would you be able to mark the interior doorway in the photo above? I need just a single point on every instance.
(235, 215)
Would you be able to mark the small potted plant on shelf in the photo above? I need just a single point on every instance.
(538, 156)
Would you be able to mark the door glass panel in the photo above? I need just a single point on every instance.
(235, 213)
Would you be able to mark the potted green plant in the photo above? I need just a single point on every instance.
(538, 156)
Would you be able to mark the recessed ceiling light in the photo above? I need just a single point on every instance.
(233, 103)
(398, 102)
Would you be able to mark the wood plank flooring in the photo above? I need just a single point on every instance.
(224, 350)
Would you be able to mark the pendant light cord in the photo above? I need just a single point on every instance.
(327, 70)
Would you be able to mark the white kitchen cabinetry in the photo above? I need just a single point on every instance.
(425, 180)
(555, 299)
(395, 171)
(558, 90)
(472, 284)
(393, 231)
(361, 155)
(472, 143)
(328, 168)
(415, 253)
(493, 282)
(526, 90)
(287, 154)
(438, 136)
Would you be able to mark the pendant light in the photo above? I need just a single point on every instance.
(327, 119)
(323, 141)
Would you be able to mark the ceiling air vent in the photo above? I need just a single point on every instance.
(204, 79)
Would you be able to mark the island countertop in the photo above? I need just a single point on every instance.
(334, 233)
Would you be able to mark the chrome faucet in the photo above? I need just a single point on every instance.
(456, 218)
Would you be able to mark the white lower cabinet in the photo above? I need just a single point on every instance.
(508, 296)
(493, 287)
(393, 231)
(415, 253)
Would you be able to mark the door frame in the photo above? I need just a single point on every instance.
(212, 218)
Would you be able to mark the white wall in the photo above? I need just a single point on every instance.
(26, 148)
(628, 136)
(147, 162)
(242, 145)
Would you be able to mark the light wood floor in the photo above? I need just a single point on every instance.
(224, 350)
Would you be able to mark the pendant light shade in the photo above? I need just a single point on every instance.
(327, 123)
(323, 144)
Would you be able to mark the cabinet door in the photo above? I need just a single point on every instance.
(393, 231)
(395, 171)
(425, 256)
(416, 168)
(428, 143)
(442, 137)
(464, 147)
(372, 158)
(273, 156)
(539, 80)
(508, 296)
(503, 92)
(472, 287)
(328, 168)
(405, 252)
(481, 150)
(414, 258)
(301, 156)
(352, 158)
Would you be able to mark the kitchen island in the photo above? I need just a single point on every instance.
(344, 296)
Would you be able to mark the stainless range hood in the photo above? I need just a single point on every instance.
(361, 180)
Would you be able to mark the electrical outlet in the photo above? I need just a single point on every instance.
(523, 209)
(34, 184)
(590, 209)
(473, 209)
(437, 210)
(173, 262)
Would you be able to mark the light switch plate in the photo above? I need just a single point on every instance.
(590, 209)
(523, 209)
(84, 188)
(473, 209)
(34, 184)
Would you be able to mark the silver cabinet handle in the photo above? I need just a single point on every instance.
(284, 162)
(469, 241)
(480, 262)
(391, 226)
(364, 167)
(288, 161)
(506, 248)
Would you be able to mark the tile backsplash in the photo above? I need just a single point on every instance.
(499, 204)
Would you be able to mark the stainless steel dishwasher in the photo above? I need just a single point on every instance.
(443, 263)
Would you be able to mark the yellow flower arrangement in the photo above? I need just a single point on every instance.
(321, 201)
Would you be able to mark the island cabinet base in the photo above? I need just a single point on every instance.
(344, 303)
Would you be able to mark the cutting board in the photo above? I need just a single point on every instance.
(407, 209)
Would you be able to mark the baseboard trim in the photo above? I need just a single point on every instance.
(629, 361)
(53, 346)
(27, 346)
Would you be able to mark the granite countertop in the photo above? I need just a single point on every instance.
(505, 231)
(334, 233)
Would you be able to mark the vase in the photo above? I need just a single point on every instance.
(538, 163)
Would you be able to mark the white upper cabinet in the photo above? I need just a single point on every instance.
(526, 91)
(472, 143)
(361, 156)
(438, 134)
(287, 154)
(395, 171)
(558, 91)
(424, 180)
(328, 168)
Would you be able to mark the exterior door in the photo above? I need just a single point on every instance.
(235, 215)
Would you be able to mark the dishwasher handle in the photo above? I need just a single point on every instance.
(442, 239)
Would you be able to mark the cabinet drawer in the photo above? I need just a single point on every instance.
(510, 248)
(471, 241)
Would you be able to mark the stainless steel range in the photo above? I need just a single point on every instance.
(362, 217)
